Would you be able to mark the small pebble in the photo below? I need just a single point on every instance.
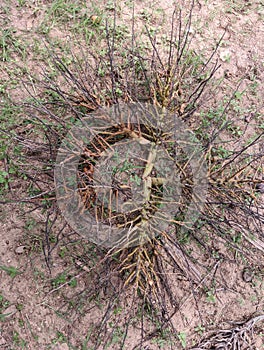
(21, 249)
(247, 275)
(227, 74)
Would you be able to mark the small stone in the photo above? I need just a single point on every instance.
(227, 74)
(21, 249)
(95, 19)
(247, 275)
